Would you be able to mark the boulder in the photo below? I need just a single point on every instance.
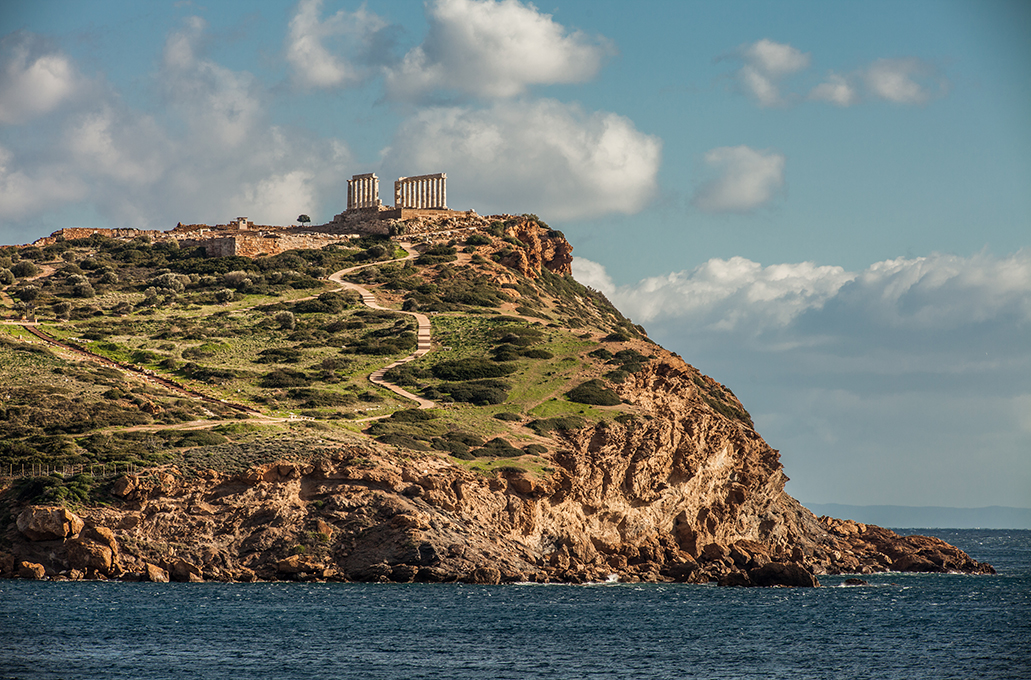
(31, 571)
(734, 579)
(680, 571)
(185, 572)
(915, 563)
(125, 485)
(90, 556)
(296, 564)
(489, 576)
(48, 524)
(855, 582)
(155, 574)
(788, 574)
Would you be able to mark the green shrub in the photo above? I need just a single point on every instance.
(471, 368)
(560, 424)
(497, 448)
(477, 240)
(593, 392)
(510, 417)
(479, 392)
(413, 415)
(278, 355)
(284, 377)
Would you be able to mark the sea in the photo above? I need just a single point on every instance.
(899, 626)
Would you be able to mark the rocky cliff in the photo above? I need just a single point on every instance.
(680, 494)
(667, 482)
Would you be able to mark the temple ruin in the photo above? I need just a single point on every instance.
(422, 192)
(363, 191)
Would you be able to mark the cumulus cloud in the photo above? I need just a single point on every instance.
(33, 79)
(766, 63)
(724, 295)
(312, 64)
(902, 81)
(746, 179)
(934, 293)
(212, 154)
(837, 89)
(568, 163)
(490, 48)
(867, 381)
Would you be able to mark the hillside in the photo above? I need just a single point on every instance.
(167, 414)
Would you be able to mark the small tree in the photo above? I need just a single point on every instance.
(303, 219)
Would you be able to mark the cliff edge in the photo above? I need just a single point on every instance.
(569, 448)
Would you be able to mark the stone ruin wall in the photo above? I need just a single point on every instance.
(73, 233)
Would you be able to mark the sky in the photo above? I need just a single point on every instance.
(826, 206)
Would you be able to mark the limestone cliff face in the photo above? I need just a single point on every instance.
(543, 249)
(681, 493)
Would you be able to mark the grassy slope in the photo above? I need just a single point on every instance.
(277, 347)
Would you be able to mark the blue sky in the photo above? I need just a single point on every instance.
(824, 205)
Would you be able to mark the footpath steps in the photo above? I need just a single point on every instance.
(424, 333)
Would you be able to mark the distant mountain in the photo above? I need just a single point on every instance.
(929, 517)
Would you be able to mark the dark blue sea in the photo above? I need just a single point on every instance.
(900, 626)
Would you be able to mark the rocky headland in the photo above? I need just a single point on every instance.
(671, 484)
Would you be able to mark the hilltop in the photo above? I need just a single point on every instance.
(167, 413)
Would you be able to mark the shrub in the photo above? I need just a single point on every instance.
(537, 353)
(286, 320)
(535, 449)
(477, 240)
(23, 269)
(224, 295)
(593, 392)
(471, 368)
(437, 254)
(168, 281)
(467, 438)
(6, 277)
(413, 415)
(284, 377)
(561, 424)
(201, 438)
(479, 392)
(510, 417)
(498, 448)
(278, 355)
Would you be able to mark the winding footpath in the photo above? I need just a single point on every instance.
(423, 335)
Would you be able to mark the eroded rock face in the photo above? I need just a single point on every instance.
(48, 523)
(543, 249)
(686, 494)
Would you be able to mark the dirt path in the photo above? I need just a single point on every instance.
(424, 333)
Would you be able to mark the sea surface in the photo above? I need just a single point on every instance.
(900, 626)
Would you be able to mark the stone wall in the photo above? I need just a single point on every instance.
(73, 233)
(251, 244)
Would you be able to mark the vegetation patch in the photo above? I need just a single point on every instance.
(593, 392)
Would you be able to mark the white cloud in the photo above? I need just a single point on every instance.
(924, 294)
(905, 383)
(33, 81)
(491, 48)
(766, 64)
(312, 64)
(837, 90)
(902, 81)
(212, 154)
(725, 295)
(747, 179)
(221, 106)
(565, 162)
